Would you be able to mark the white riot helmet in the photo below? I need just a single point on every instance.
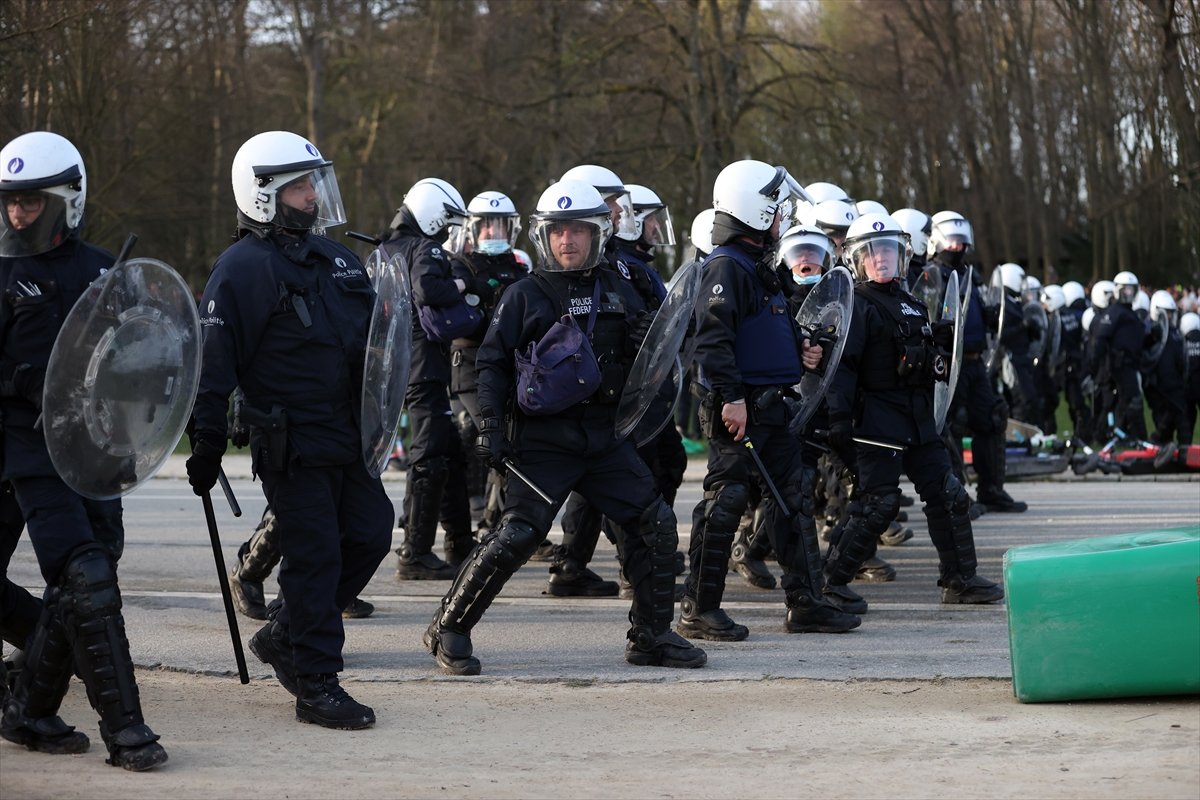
(821, 191)
(523, 259)
(1030, 289)
(876, 248)
(950, 233)
(701, 233)
(1089, 314)
(1126, 287)
(1162, 304)
(1072, 291)
(615, 194)
(917, 225)
(570, 227)
(752, 192)
(40, 173)
(1012, 276)
(492, 224)
(651, 216)
(807, 253)
(1189, 322)
(870, 207)
(280, 178)
(1141, 303)
(1053, 297)
(1102, 293)
(432, 205)
(834, 217)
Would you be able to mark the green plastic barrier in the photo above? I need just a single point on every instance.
(1113, 616)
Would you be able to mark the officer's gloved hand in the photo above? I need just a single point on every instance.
(841, 439)
(26, 382)
(943, 335)
(638, 328)
(481, 289)
(204, 465)
(491, 444)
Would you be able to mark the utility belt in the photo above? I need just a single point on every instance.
(764, 406)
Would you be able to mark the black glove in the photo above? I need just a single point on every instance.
(943, 336)
(481, 289)
(638, 328)
(204, 465)
(491, 444)
(26, 382)
(841, 441)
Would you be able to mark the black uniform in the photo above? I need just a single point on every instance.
(884, 385)
(986, 412)
(1015, 338)
(748, 350)
(1073, 368)
(77, 540)
(1164, 385)
(1117, 341)
(286, 319)
(574, 449)
(427, 400)
(1191, 389)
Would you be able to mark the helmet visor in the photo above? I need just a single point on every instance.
(624, 218)
(493, 234)
(569, 245)
(878, 259)
(34, 222)
(657, 230)
(310, 201)
(807, 256)
(955, 235)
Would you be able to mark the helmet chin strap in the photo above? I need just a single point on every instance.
(293, 219)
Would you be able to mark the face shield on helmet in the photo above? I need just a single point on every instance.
(492, 224)
(1052, 297)
(951, 238)
(1030, 289)
(756, 194)
(652, 217)
(570, 227)
(1162, 304)
(280, 178)
(807, 253)
(43, 187)
(1126, 287)
(615, 194)
(876, 248)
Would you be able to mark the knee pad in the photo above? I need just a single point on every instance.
(878, 510)
(89, 584)
(658, 527)
(799, 490)
(517, 541)
(725, 505)
(1000, 414)
(954, 496)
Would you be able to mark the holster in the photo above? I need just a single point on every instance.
(269, 442)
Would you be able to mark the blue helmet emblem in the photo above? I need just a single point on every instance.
(564, 202)
(849, 217)
(16, 165)
(494, 202)
(876, 226)
(313, 150)
(958, 223)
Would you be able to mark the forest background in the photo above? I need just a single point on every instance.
(1067, 130)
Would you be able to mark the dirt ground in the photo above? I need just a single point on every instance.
(771, 738)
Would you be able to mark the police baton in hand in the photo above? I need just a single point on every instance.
(211, 518)
(762, 470)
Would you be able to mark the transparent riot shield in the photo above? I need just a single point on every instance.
(993, 299)
(824, 319)
(387, 363)
(646, 388)
(374, 267)
(121, 379)
(954, 311)
(929, 288)
(1160, 330)
(1038, 325)
(1053, 354)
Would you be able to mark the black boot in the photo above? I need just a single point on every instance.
(31, 712)
(358, 609)
(809, 608)
(448, 636)
(457, 545)
(91, 603)
(256, 559)
(273, 645)
(423, 497)
(991, 468)
(568, 578)
(322, 701)
(748, 558)
(950, 530)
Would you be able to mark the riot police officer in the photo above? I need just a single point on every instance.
(44, 267)
(1165, 368)
(1189, 328)
(951, 241)
(1117, 339)
(559, 428)
(883, 392)
(749, 354)
(285, 317)
(1021, 385)
(1073, 369)
(420, 226)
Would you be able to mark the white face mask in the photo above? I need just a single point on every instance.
(493, 247)
(806, 280)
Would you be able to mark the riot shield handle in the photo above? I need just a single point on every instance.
(363, 237)
(211, 518)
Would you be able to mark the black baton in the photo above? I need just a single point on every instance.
(762, 470)
(211, 517)
(228, 490)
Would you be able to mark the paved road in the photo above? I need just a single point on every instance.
(176, 621)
